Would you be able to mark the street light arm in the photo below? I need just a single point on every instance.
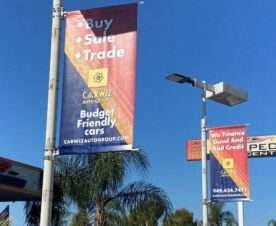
(200, 84)
(210, 89)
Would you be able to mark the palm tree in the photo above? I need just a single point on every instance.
(146, 214)
(216, 215)
(271, 223)
(96, 185)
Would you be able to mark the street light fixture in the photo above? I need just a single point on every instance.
(180, 78)
(221, 93)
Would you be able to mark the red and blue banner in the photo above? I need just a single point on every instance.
(229, 164)
(99, 80)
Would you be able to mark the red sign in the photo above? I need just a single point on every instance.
(257, 147)
(193, 148)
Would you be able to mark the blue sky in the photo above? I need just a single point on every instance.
(214, 40)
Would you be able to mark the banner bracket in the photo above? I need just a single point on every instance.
(63, 13)
(58, 12)
(50, 158)
(54, 152)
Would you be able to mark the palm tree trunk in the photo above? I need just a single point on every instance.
(99, 218)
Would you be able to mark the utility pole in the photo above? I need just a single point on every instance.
(204, 157)
(240, 211)
(50, 140)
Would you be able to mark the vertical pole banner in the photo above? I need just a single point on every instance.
(99, 80)
(229, 164)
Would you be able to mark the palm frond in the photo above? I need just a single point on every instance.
(80, 218)
(217, 215)
(97, 175)
(95, 183)
(272, 223)
(6, 222)
(115, 215)
(59, 211)
(229, 218)
(32, 213)
(142, 192)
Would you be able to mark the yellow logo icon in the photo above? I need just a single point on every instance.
(98, 77)
(228, 163)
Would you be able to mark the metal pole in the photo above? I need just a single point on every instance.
(48, 175)
(240, 210)
(204, 158)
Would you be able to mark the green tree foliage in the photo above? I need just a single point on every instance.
(6, 222)
(181, 217)
(80, 219)
(146, 214)
(32, 208)
(217, 216)
(96, 185)
(271, 223)
(100, 178)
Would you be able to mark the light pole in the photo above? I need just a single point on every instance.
(222, 93)
(48, 171)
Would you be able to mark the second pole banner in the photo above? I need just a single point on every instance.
(99, 80)
(229, 164)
